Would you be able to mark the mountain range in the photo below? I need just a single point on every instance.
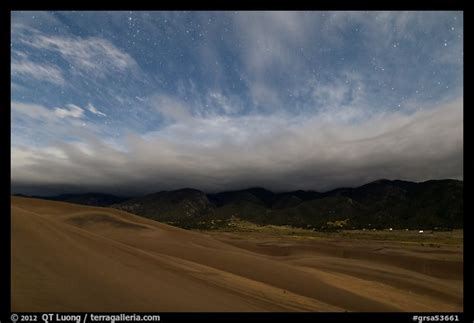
(434, 204)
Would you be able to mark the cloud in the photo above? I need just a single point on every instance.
(224, 104)
(278, 152)
(94, 110)
(38, 71)
(170, 107)
(270, 39)
(92, 55)
(39, 112)
(39, 126)
(32, 111)
(347, 90)
(284, 51)
(71, 111)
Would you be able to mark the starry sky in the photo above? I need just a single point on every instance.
(136, 102)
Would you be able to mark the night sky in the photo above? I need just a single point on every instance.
(136, 102)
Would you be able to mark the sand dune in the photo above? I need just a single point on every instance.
(68, 257)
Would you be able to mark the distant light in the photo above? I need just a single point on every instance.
(421, 231)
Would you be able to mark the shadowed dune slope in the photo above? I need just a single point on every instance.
(67, 257)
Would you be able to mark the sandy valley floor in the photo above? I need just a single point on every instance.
(68, 257)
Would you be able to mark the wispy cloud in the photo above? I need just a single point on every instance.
(222, 103)
(93, 55)
(32, 111)
(94, 110)
(70, 111)
(42, 72)
(171, 107)
(39, 126)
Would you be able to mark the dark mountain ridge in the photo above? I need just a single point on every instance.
(167, 206)
(380, 204)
